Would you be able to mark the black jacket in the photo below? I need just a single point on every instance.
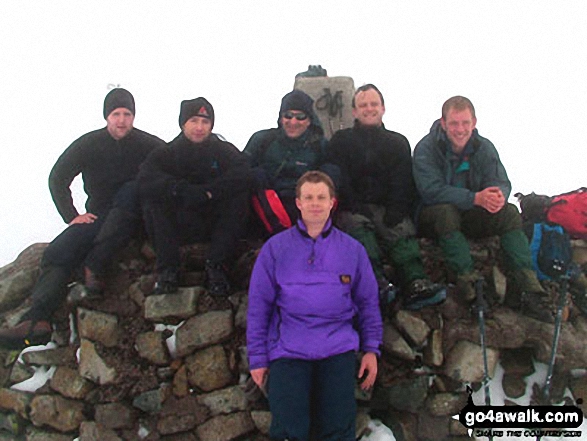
(376, 168)
(182, 166)
(104, 163)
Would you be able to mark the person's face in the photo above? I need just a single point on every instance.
(314, 203)
(458, 125)
(119, 122)
(197, 129)
(368, 108)
(295, 123)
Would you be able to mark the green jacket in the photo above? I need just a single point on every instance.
(434, 167)
(279, 161)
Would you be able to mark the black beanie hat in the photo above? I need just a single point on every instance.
(196, 107)
(118, 98)
(297, 100)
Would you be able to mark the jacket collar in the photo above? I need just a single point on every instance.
(301, 227)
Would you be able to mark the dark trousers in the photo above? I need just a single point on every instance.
(172, 225)
(313, 396)
(93, 245)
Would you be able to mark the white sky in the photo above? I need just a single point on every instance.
(522, 63)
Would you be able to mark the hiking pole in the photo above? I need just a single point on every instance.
(481, 307)
(563, 276)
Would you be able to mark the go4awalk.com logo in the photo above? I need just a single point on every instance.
(510, 421)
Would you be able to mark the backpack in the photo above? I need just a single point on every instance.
(551, 251)
(570, 211)
(271, 211)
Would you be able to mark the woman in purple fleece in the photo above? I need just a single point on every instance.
(313, 304)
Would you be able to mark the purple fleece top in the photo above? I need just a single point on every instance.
(312, 298)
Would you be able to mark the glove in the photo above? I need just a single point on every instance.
(189, 194)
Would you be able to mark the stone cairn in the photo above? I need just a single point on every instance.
(117, 374)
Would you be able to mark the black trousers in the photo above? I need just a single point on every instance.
(93, 245)
(171, 225)
(315, 396)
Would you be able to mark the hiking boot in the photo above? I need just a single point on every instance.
(217, 283)
(167, 283)
(537, 305)
(519, 282)
(94, 286)
(26, 333)
(422, 293)
(466, 285)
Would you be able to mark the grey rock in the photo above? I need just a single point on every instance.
(20, 372)
(394, 344)
(514, 385)
(240, 319)
(91, 431)
(152, 347)
(12, 422)
(93, 367)
(445, 404)
(415, 388)
(431, 427)
(262, 420)
(225, 427)
(203, 330)
(414, 328)
(208, 369)
(61, 356)
(60, 413)
(500, 282)
(228, 400)
(98, 327)
(69, 383)
(181, 305)
(433, 351)
(35, 434)
(180, 415)
(362, 422)
(465, 362)
(115, 416)
(15, 401)
(18, 278)
(152, 400)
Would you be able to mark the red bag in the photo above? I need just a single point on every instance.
(271, 211)
(569, 210)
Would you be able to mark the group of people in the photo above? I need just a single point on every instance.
(355, 202)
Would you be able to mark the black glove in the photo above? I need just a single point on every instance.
(189, 194)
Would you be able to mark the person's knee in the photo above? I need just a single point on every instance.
(440, 219)
(510, 217)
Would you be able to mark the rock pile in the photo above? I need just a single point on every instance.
(133, 366)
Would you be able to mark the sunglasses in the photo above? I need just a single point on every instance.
(299, 116)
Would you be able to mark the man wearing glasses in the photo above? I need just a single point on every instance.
(281, 155)
(377, 198)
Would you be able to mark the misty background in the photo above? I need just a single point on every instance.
(522, 63)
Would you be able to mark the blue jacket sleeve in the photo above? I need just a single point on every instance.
(262, 295)
(366, 299)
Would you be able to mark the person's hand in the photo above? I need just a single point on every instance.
(259, 376)
(492, 199)
(87, 218)
(369, 364)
